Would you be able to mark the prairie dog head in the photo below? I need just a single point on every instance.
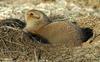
(35, 19)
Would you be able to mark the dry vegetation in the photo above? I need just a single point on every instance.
(16, 46)
(86, 3)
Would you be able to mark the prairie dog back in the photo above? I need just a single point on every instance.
(62, 33)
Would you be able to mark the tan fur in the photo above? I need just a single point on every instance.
(62, 32)
(35, 19)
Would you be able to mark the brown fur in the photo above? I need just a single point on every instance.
(61, 33)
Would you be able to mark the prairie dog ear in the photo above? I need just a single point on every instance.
(34, 15)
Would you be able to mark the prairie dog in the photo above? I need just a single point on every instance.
(62, 32)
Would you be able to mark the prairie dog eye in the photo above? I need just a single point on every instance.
(31, 14)
(34, 15)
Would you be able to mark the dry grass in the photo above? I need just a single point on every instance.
(15, 45)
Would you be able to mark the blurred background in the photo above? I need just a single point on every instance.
(55, 9)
